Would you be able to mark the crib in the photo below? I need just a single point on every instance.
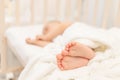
(100, 13)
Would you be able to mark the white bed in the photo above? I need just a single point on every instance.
(16, 40)
(104, 66)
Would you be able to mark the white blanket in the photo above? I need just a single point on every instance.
(104, 66)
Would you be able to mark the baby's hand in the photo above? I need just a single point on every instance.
(40, 37)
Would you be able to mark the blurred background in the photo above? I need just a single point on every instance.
(88, 7)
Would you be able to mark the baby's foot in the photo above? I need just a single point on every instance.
(77, 49)
(75, 55)
(70, 62)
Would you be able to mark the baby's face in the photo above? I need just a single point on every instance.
(49, 27)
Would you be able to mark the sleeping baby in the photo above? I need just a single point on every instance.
(50, 31)
(75, 54)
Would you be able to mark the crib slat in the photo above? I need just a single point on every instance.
(106, 12)
(32, 11)
(86, 12)
(79, 7)
(117, 18)
(95, 12)
(2, 19)
(57, 9)
(3, 55)
(68, 10)
(2, 39)
(45, 11)
(17, 13)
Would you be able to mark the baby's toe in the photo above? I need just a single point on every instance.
(59, 57)
(73, 43)
(60, 66)
(59, 61)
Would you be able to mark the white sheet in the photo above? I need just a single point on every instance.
(105, 66)
(16, 36)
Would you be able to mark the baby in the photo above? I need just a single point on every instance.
(74, 55)
(51, 30)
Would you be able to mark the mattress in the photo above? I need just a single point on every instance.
(16, 41)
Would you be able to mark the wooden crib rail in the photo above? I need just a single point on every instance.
(3, 45)
(32, 11)
(82, 11)
(108, 6)
(79, 10)
(2, 39)
(117, 17)
(57, 9)
(17, 13)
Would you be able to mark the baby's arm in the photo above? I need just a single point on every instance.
(57, 31)
(44, 39)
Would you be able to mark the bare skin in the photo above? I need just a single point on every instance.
(74, 56)
(50, 31)
(40, 43)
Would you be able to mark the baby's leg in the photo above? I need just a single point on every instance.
(77, 49)
(70, 62)
(37, 42)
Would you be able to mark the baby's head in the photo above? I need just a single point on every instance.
(50, 26)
